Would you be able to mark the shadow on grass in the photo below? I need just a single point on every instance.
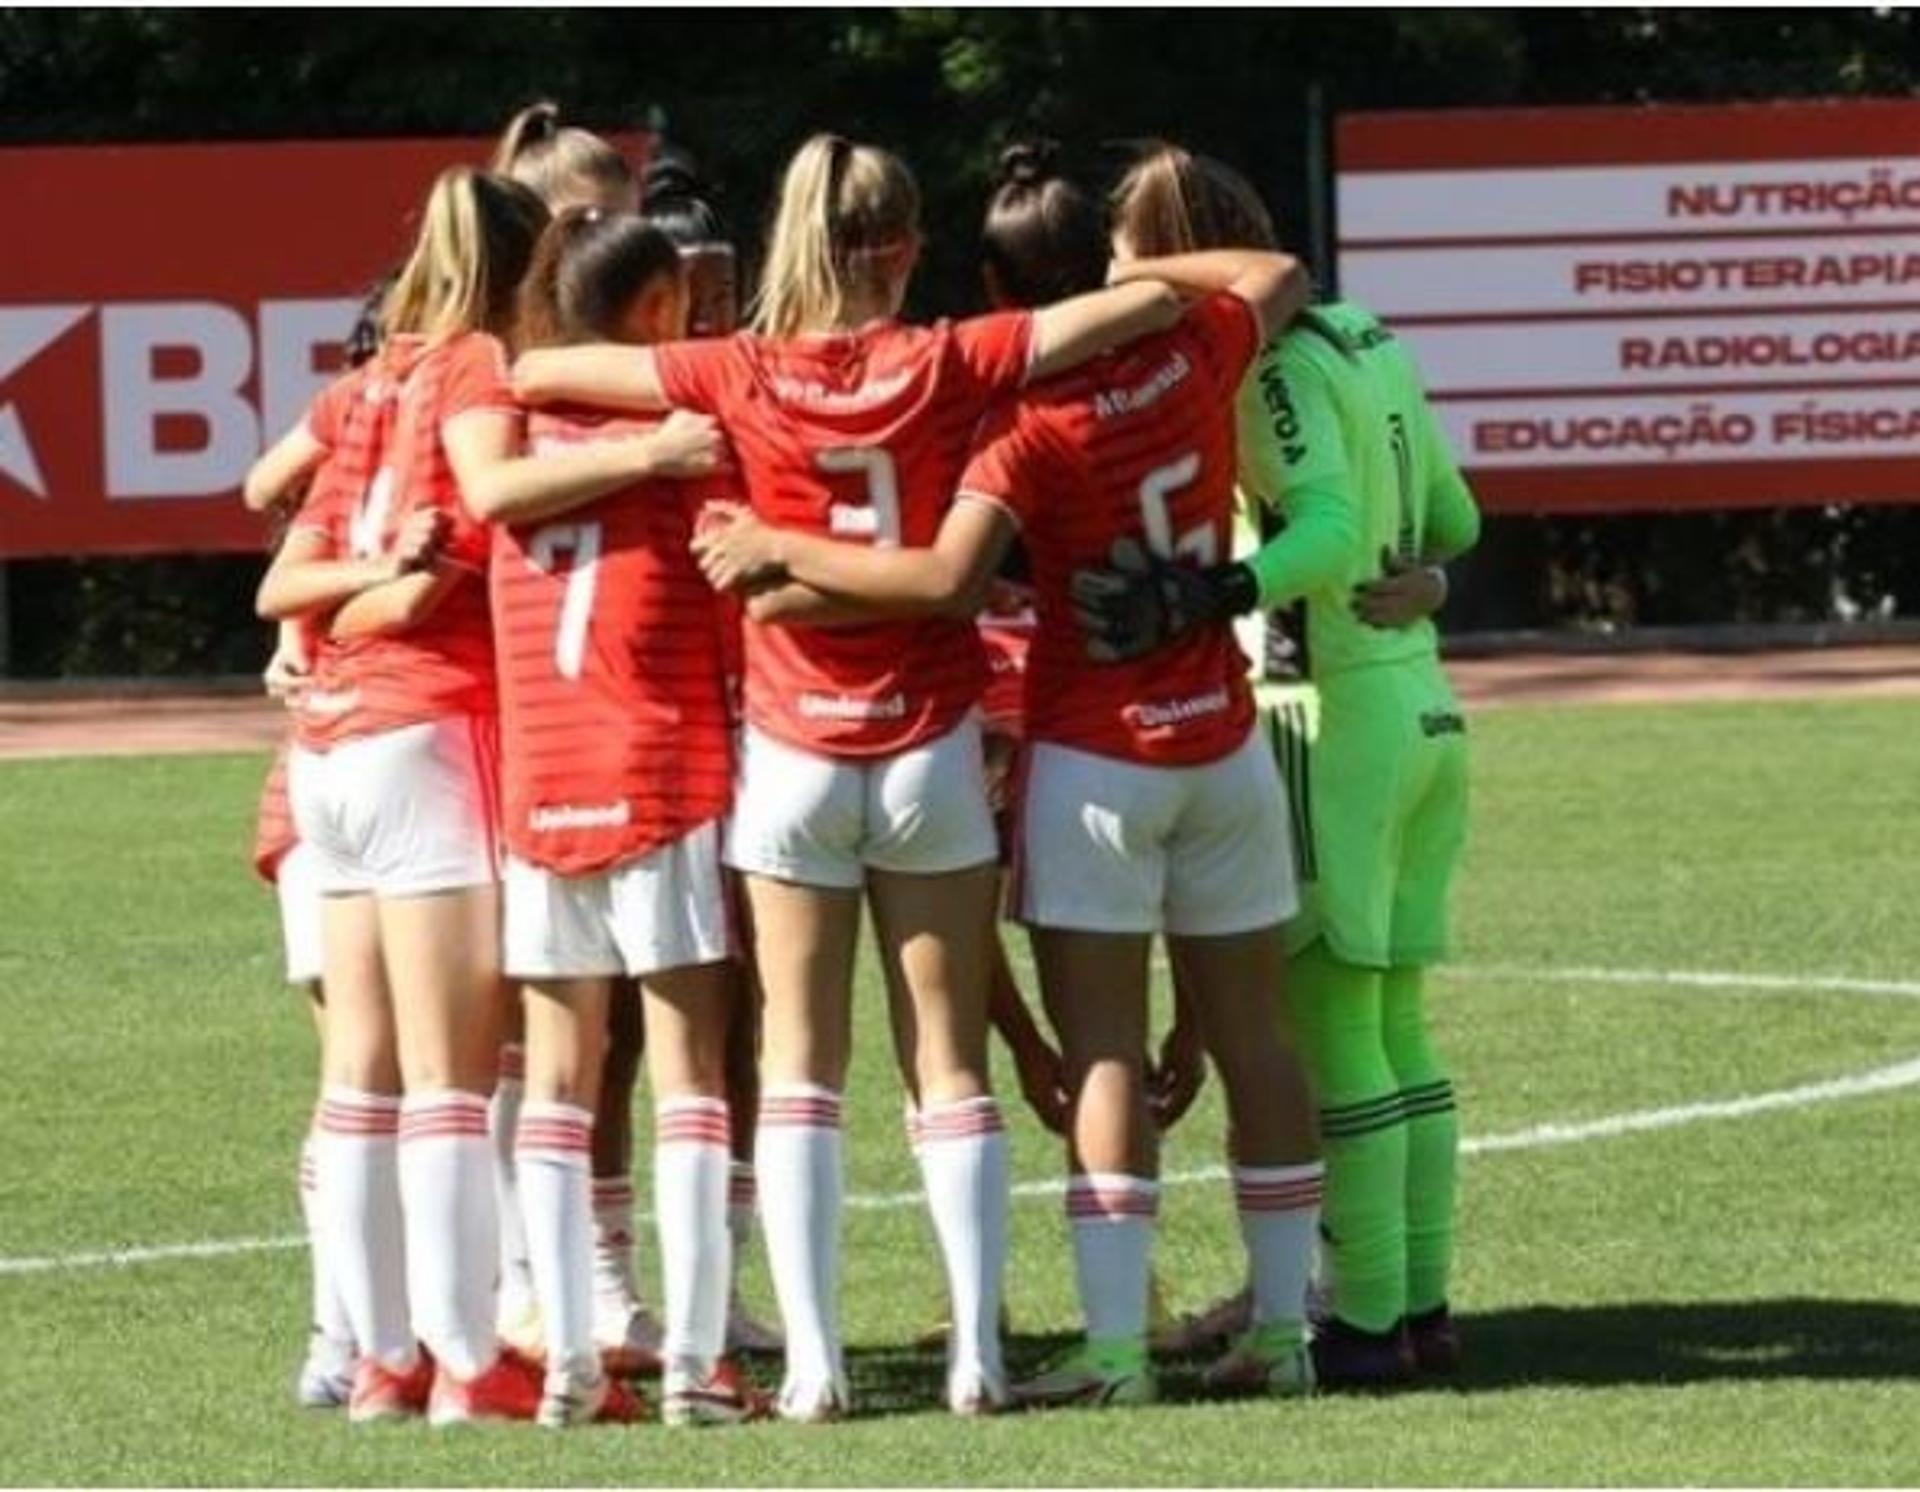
(1680, 1342)
(1649, 1342)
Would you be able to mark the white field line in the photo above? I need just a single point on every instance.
(1714, 979)
(1887, 1079)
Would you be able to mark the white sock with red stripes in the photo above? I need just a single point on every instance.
(453, 1241)
(552, 1156)
(357, 1189)
(690, 1164)
(798, 1159)
(743, 1201)
(1279, 1221)
(962, 1149)
(503, 1121)
(1112, 1217)
(330, 1320)
(616, 1277)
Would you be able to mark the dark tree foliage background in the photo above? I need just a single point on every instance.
(947, 88)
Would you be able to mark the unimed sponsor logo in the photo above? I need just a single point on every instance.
(851, 707)
(553, 817)
(1158, 714)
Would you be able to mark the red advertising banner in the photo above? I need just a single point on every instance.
(165, 311)
(1652, 308)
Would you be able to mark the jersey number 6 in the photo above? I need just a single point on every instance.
(1200, 544)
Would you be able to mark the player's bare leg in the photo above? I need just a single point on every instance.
(688, 1011)
(803, 939)
(356, 1163)
(1277, 1175)
(1095, 989)
(936, 939)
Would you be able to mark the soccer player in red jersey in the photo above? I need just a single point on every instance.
(572, 167)
(325, 1379)
(1150, 804)
(675, 200)
(618, 772)
(861, 761)
(278, 484)
(392, 784)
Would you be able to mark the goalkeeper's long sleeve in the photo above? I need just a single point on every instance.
(1294, 459)
(1314, 552)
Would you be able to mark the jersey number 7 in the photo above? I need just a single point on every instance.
(582, 541)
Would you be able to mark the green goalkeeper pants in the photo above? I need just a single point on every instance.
(1375, 762)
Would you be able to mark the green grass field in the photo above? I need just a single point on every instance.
(1727, 1294)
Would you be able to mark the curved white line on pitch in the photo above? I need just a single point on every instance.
(1896, 1076)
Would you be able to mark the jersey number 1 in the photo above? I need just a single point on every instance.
(582, 541)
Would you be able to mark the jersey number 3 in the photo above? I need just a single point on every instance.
(582, 541)
(878, 519)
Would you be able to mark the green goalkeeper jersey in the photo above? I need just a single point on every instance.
(1338, 441)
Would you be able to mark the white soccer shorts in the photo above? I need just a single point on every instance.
(825, 821)
(664, 910)
(406, 812)
(1118, 847)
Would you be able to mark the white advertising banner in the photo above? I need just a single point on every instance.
(1651, 307)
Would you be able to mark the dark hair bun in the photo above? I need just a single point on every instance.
(670, 177)
(1028, 162)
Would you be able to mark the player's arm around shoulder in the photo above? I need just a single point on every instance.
(500, 482)
(608, 375)
(1070, 332)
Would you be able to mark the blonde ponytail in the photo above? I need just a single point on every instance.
(530, 127)
(476, 238)
(843, 210)
(566, 166)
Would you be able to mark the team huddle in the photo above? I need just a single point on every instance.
(630, 657)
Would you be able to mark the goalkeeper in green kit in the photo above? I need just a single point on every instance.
(1339, 445)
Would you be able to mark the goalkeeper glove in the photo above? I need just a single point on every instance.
(1139, 601)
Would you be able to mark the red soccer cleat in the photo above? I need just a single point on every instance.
(605, 1401)
(726, 1396)
(508, 1388)
(379, 1393)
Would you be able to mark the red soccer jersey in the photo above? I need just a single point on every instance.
(392, 461)
(613, 711)
(1140, 445)
(274, 835)
(857, 435)
(1007, 626)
